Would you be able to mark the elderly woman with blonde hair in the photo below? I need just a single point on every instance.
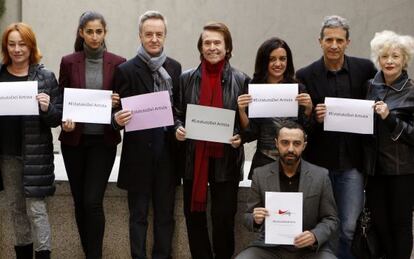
(390, 151)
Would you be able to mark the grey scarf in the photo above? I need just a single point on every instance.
(162, 80)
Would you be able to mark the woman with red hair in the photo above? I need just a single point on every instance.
(26, 144)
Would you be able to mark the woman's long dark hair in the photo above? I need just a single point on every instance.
(262, 61)
(83, 20)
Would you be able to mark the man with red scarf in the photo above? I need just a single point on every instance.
(213, 83)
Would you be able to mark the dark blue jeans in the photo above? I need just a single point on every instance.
(348, 188)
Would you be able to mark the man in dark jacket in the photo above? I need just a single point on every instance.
(213, 83)
(146, 167)
(338, 75)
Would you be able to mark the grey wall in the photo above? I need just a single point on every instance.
(12, 13)
(251, 22)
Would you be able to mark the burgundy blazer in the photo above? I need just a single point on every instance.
(72, 75)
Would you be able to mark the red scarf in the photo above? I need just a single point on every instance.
(211, 94)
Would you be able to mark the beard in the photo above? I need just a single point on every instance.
(289, 158)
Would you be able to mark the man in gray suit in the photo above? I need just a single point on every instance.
(290, 173)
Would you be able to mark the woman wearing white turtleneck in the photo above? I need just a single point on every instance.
(89, 149)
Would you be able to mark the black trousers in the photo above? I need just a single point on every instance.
(162, 195)
(390, 199)
(223, 209)
(88, 167)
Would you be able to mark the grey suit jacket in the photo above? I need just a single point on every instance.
(319, 208)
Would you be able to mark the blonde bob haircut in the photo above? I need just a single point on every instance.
(28, 37)
(386, 40)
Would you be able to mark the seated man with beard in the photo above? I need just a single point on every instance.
(290, 173)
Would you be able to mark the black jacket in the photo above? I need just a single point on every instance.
(37, 140)
(138, 147)
(234, 83)
(390, 151)
(321, 148)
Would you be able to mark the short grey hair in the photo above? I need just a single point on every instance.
(386, 40)
(151, 15)
(335, 21)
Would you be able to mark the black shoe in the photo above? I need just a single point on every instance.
(24, 252)
(42, 254)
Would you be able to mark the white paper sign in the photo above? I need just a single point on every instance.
(285, 217)
(273, 100)
(18, 98)
(209, 123)
(349, 115)
(87, 105)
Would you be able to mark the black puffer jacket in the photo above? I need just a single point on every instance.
(390, 150)
(234, 83)
(37, 139)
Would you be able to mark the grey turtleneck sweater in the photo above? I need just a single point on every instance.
(93, 80)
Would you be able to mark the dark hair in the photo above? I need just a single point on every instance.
(262, 61)
(83, 20)
(290, 124)
(224, 30)
(28, 37)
